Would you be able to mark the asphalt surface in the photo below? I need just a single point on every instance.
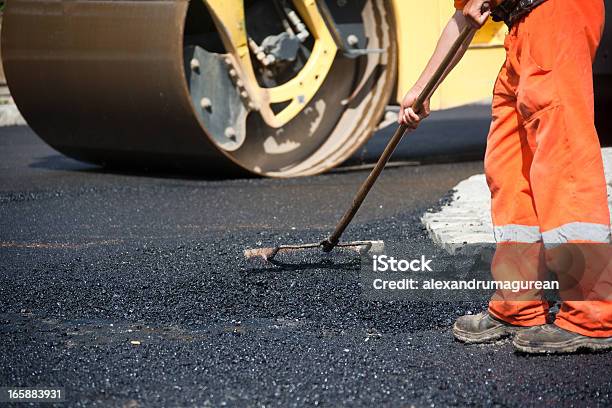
(94, 262)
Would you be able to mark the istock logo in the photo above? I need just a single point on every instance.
(384, 263)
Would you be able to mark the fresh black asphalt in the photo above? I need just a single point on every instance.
(131, 290)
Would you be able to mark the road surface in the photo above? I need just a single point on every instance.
(131, 290)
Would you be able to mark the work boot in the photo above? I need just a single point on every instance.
(482, 328)
(553, 339)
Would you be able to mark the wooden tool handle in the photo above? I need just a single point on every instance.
(365, 188)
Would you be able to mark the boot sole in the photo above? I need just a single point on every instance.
(487, 336)
(569, 346)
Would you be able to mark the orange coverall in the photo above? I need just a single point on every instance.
(543, 161)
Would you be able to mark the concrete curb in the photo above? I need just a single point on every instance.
(464, 225)
(10, 116)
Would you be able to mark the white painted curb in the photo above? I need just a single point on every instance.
(10, 116)
(464, 225)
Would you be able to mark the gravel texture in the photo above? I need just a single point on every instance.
(131, 290)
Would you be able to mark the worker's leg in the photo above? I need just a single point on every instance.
(507, 166)
(555, 100)
(518, 255)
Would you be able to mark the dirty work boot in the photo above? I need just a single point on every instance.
(482, 328)
(553, 339)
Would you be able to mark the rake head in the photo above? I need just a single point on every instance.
(360, 247)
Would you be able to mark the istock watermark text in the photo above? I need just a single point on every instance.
(385, 263)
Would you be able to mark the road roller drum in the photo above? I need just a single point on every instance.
(276, 88)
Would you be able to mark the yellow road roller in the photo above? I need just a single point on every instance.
(277, 88)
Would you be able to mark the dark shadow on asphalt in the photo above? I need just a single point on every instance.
(19, 142)
(277, 266)
(450, 135)
(61, 162)
(15, 140)
(306, 261)
(163, 173)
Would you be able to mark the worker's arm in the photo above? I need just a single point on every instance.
(470, 15)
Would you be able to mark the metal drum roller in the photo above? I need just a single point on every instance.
(272, 87)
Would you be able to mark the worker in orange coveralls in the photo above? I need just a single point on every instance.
(544, 168)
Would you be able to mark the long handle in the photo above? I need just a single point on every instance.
(365, 188)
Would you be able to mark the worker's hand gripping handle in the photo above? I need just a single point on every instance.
(331, 242)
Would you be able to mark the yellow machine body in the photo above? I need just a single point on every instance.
(418, 29)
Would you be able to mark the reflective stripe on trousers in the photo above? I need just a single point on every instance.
(517, 233)
(572, 232)
(577, 232)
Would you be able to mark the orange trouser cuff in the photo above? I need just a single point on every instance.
(519, 313)
(589, 318)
